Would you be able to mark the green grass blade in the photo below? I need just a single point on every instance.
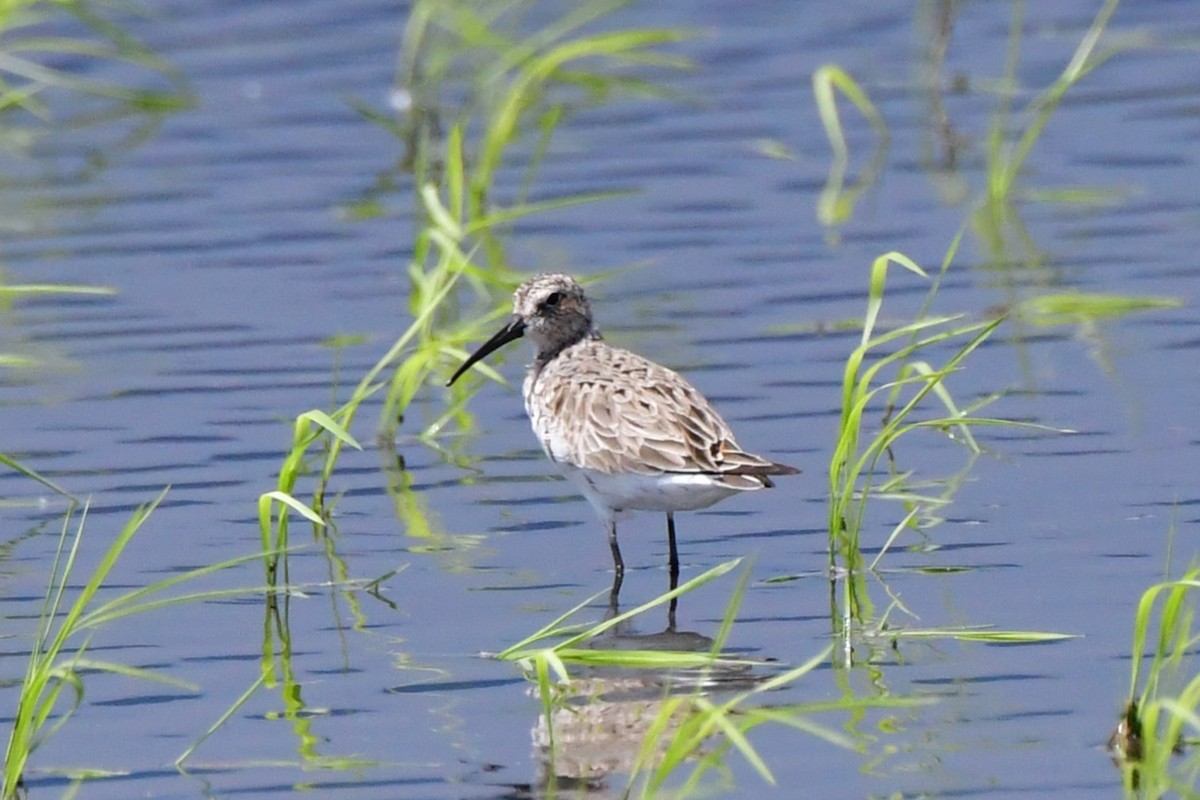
(294, 504)
(327, 423)
(17, 466)
(225, 717)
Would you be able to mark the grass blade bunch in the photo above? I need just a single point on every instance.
(53, 686)
(55, 665)
(308, 429)
(459, 264)
(685, 726)
(23, 75)
(855, 463)
(568, 649)
(521, 86)
(1155, 743)
(889, 373)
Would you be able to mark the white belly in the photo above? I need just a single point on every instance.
(625, 492)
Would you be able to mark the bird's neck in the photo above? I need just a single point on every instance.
(546, 355)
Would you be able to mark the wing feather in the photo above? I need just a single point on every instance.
(613, 411)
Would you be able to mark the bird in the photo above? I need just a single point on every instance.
(631, 434)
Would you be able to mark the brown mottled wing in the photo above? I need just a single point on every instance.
(611, 410)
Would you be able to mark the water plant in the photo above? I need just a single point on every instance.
(1154, 743)
(856, 462)
(891, 368)
(888, 375)
(53, 686)
(50, 670)
(273, 527)
(27, 70)
(677, 699)
(459, 273)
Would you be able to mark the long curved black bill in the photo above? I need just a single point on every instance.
(515, 329)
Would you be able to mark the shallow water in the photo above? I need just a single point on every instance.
(223, 235)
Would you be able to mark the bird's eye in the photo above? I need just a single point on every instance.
(553, 300)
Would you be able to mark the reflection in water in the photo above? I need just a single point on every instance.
(277, 672)
(602, 718)
(600, 732)
(942, 137)
(837, 201)
(455, 552)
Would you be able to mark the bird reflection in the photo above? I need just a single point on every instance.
(600, 727)
(614, 600)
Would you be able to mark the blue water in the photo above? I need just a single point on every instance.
(225, 234)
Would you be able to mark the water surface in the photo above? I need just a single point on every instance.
(222, 234)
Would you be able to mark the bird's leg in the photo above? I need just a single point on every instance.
(674, 569)
(618, 563)
(674, 557)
